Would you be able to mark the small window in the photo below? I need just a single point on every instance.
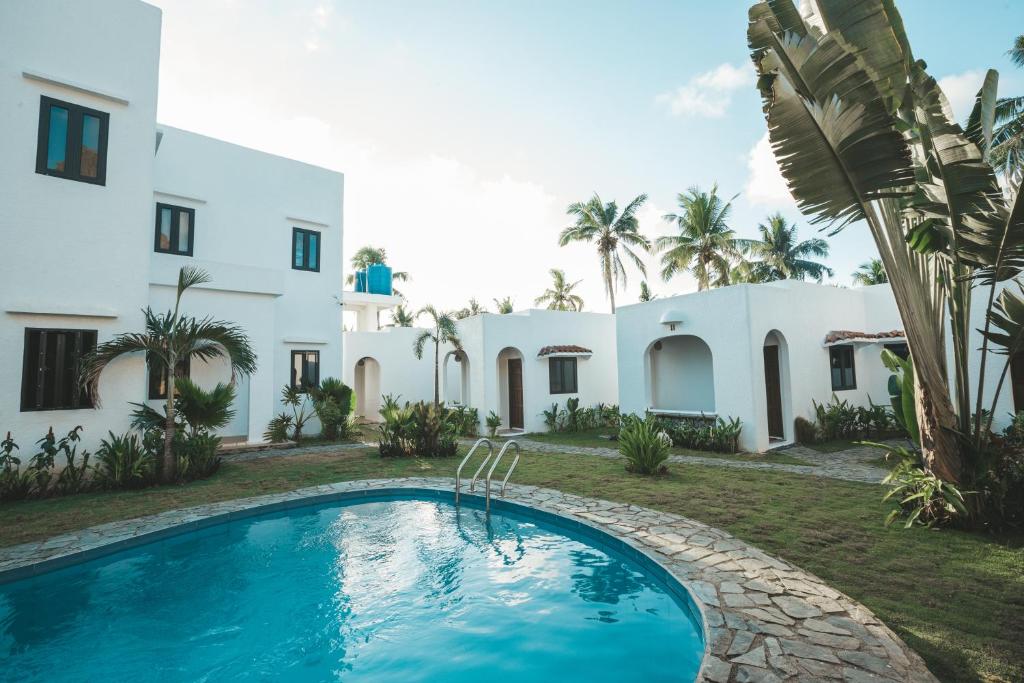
(175, 228)
(900, 349)
(72, 142)
(305, 369)
(158, 378)
(49, 378)
(562, 375)
(843, 374)
(305, 250)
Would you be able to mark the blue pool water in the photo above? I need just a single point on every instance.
(397, 590)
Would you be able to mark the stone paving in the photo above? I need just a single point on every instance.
(293, 451)
(764, 619)
(852, 464)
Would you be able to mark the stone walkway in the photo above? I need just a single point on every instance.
(852, 464)
(764, 619)
(294, 450)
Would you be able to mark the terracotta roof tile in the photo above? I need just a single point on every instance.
(842, 335)
(564, 348)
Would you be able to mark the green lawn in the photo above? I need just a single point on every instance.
(957, 598)
(598, 438)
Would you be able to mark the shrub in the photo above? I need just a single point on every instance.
(434, 431)
(14, 484)
(197, 455)
(124, 462)
(703, 433)
(493, 422)
(467, 420)
(278, 428)
(332, 402)
(805, 430)
(644, 445)
(922, 498)
(552, 418)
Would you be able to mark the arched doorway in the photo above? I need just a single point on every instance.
(455, 371)
(512, 397)
(680, 375)
(367, 388)
(776, 385)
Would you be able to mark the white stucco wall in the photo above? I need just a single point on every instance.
(400, 373)
(75, 253)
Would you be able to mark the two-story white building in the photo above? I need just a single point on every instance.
(100, 206)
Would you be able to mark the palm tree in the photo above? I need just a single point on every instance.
(474, 308)
(368, 256)
(645, 293)
(611, 230)
(504, 306)
(402, 317)
(870, 272)
(560, 297)
(706, 246)
(743, 272)
(779, 256)
(170, 338)
(443, 332)
(1007, 147)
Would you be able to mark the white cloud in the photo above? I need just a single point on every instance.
(707, 94)
(765, 184)
(961, 89)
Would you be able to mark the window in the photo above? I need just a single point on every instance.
(72, 142)
(843, 375)
(305, 250)
(175, 227)
(562, 375)
(158, 378)
(49, 377)
(305, 369)
(900, 349)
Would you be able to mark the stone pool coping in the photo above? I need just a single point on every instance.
(763, 619)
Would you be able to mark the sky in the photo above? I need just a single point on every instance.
(465, 129)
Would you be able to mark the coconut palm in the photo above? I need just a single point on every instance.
(442, 332)
(706, 246)
(402, 317)
(743, 273)
(169, 338)
(1007, 147)
(368, 256)
(870, 272)
(559, 296)
(645, 293)
(474, 308)
(613, 232)
(504, 306)
(779, 256)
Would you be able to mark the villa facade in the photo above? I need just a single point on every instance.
(100, 206)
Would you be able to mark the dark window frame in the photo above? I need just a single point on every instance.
(300, 383)
(73, 149)
(303, 234)
(35, 370)
(841, 352)
(176, 212)
(556, 375)
(153, 392)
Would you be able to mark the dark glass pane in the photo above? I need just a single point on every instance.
(57, 139)
(313, 246)
(299, 251)
(296, 369)
(184, 232)
(90, 146)
(165, 229)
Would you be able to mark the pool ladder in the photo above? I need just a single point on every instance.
(490, 472)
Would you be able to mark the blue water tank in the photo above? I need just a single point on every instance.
(378, 279)
(361, 280)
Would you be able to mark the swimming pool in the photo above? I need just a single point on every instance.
(395, 589)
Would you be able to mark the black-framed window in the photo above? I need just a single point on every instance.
(305, 249)
(175, 229)
(305, 369)
(844, 375)
(49, 377)
(562, 375)
(72, 141)
(900, 349)
(158, 378)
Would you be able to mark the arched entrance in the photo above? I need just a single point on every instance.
(367, 388)
(680, 375)
(512, 398)
(455, 371)
(776, 385)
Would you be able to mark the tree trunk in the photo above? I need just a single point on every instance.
(170, 462)
(608, 279)
(437, 357)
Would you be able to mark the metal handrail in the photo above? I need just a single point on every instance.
(458, 472)
(490, 472)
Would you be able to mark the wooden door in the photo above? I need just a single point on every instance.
(773, 388)
(1017, 381)
(515, 393)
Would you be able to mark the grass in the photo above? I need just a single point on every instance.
(955, 597)
(598, 438)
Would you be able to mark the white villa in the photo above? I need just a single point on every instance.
(100, 206)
